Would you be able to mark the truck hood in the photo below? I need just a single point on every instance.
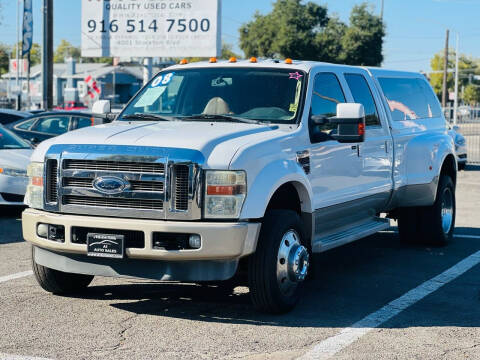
(209, 138)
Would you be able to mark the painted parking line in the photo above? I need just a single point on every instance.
(331, 346)
(13, 277)
(19, 357)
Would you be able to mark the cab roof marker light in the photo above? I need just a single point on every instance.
(288, 61)
(232, 60)
(213, 60)
(183, 62)
(253, 59)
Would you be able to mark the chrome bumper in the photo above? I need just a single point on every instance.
(220, 241)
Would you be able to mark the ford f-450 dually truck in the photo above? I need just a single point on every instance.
(226, 167)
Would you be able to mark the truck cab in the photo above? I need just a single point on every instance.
(240, 171)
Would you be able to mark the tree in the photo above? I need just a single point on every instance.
(35, 53)
(363, 40)
(65, 50)
(298, 30)
(466, 65)
(4, 59)
(471, 95)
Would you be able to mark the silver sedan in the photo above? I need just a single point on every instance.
(14, 158)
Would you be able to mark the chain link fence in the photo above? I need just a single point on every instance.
(468, 122)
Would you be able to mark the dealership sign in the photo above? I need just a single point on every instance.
(150, 28)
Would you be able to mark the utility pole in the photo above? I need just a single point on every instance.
(381, 12)
(47, 55)
(455, 107)
(445, 72)
(18, 101)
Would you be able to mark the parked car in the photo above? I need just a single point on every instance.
(460, 147)
(46, 125)
(8, 116)
(14, 158)
(241, 171)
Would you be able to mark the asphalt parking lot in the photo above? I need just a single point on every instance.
(134, 319)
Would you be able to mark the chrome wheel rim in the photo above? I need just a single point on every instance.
(292, 263)
(447, 210)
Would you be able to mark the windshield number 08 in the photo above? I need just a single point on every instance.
(178, 25)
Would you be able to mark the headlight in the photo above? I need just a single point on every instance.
(12, 172)
(34, 195)
(460, 140)
(225, 192)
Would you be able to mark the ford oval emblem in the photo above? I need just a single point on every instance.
(110, 185)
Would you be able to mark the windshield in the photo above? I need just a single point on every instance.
(10, 141)
(221, 94)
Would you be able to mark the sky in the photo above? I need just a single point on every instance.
(415, 28)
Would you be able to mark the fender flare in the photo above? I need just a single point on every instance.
(272, 177)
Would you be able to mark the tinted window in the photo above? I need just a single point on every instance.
(327, 93)
(410, 98)
(25, 125)
(8, 118)
(362, 95)
(83, 122)
(9, 140)
(55, 125)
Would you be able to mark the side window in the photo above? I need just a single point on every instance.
(327, 93)
(26, 125)
(363, 95)
(82, 122)
(410, 98)
(55, 125)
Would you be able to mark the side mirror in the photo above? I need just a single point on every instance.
(350, 121)
(101, 107)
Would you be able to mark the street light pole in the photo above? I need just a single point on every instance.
(47, 55)
(455, 106)
(381, 12)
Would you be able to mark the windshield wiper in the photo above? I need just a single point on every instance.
(149, 117)
(222, 118)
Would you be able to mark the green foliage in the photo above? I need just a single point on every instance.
(467, 66)
(305, 31)
(35, 53)
(4, 59)
(471, 95)
(66, 50)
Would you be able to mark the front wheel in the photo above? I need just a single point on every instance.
(280, 264)
(58, 282)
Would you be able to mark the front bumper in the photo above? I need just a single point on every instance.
(220, 241)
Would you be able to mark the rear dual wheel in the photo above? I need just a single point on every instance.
(431, 225)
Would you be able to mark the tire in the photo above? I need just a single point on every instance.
(274, 280)
(58, 282)
(431, 225)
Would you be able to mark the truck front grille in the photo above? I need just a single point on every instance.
(87, 183)
(52, 181)
(116, 166)
(121, 203)
(181, 187)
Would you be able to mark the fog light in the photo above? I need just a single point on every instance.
(56, 233)
(42, 230)
(195, 241)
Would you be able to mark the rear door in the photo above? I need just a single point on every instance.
(49, 126)
(376, 153)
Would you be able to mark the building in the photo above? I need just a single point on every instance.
(79, 82)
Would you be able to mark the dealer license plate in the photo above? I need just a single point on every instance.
(106, 245)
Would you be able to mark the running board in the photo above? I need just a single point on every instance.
(357, 232)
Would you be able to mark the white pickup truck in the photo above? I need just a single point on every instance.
(227, 168)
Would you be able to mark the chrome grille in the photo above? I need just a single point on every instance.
(115, 166)
(86, 183)
(121, 203)
(181, 187)
(52, 181)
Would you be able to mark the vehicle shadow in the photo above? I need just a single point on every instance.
(349, 283)
(10, 224)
